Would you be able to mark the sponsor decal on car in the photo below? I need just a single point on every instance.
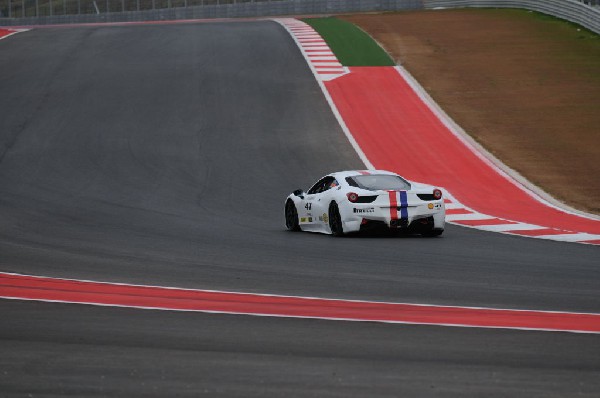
(324, 218)
(366, 210)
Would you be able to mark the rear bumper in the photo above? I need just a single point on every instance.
(420, 218)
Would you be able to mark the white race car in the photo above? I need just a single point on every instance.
(353, 201)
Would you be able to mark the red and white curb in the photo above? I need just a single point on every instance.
(321, 59)
(5, 33)
(459, 214)
(45, 289)
(456, 213)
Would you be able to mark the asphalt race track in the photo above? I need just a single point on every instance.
(162, 155)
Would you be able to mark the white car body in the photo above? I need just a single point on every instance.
(381, 199)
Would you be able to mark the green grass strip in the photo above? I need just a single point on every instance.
(351, 45)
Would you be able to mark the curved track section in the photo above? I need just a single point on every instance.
(391, 120)
(160, 155)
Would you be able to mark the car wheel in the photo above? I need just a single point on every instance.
(335, 220)
(433, 233)
(291, 216)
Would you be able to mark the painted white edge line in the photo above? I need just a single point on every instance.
(509, 227)
(334, 109)
(467, 217)
(575, 237)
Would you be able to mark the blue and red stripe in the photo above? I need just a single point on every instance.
(398, 197)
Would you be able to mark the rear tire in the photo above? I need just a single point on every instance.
(335, 220)
(291, 216)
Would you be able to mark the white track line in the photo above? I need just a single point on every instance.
(290, 23)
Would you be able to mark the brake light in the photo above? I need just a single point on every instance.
(352, 197)
(437, 194)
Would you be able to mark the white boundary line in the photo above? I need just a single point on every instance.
(336, 113)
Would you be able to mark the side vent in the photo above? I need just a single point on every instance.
(366, 199)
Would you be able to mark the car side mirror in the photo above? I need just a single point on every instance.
(299, 193)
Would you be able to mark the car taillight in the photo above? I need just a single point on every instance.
(352, 197)
(437, 194)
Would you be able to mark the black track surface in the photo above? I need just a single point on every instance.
(162, 155)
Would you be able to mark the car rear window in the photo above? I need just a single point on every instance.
(375, 182)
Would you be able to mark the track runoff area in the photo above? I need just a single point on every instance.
(347, 89)
(394, 125)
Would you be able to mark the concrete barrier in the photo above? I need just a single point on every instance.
(580, 12)
(231, 10)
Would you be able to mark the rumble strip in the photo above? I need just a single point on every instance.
(37, 288)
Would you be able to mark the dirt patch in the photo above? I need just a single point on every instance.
(525, 86)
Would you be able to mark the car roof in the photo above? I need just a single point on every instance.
(352, 173)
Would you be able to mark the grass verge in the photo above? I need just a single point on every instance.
(351, 45)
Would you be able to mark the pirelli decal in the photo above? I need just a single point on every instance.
(366, 210)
